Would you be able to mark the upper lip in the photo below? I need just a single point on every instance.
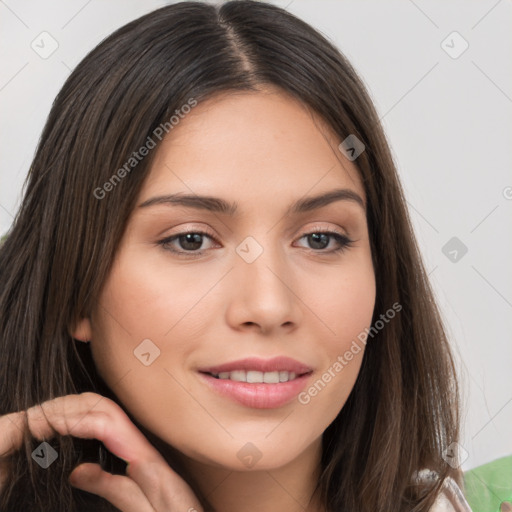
(274, 364)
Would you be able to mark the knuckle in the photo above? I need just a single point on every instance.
(90, 399)
(99, 402)
(11, 429)
(37, 421)
(101, 421)
(97, 423)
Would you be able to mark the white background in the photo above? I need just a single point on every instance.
(448, 122)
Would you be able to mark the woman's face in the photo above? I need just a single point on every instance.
(256, 286)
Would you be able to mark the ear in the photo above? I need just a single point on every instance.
(82, 330)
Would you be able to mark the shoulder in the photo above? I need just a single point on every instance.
(450, 499)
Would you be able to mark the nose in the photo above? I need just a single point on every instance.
(264, 296)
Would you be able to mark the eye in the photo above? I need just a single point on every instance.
(321, 239)
(190, 242)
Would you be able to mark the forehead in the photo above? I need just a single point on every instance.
(265, 143)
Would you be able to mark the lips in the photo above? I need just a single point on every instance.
(252, 381)
(276, 364)
(257, 395)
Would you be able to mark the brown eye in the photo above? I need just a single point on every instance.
(190, 242)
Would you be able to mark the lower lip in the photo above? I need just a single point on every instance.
(258, 396)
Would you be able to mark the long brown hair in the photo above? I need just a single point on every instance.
(403, 410)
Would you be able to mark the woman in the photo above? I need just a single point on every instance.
(211, 297)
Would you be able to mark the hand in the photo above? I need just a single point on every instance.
(150, 485)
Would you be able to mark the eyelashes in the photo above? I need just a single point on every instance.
(166, 242)
(342, 240)
(192, 238)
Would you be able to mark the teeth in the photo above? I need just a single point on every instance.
(270, 377)
(253, 376)
(238, 375)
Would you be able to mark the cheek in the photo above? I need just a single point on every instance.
(150, 300)
(345, 304)
(141, 302)
(344, 298)
(136, 343)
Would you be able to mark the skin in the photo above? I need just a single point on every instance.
(150, 485)
(264, 151)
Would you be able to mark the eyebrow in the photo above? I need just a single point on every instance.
(218, 205)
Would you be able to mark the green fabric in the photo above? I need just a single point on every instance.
(488, 486)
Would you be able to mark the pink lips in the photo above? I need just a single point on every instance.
(258, 395)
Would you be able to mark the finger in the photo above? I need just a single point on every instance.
(165, 490)
(79, 415)
(119, 490)
(90, 415)
(11, 428)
